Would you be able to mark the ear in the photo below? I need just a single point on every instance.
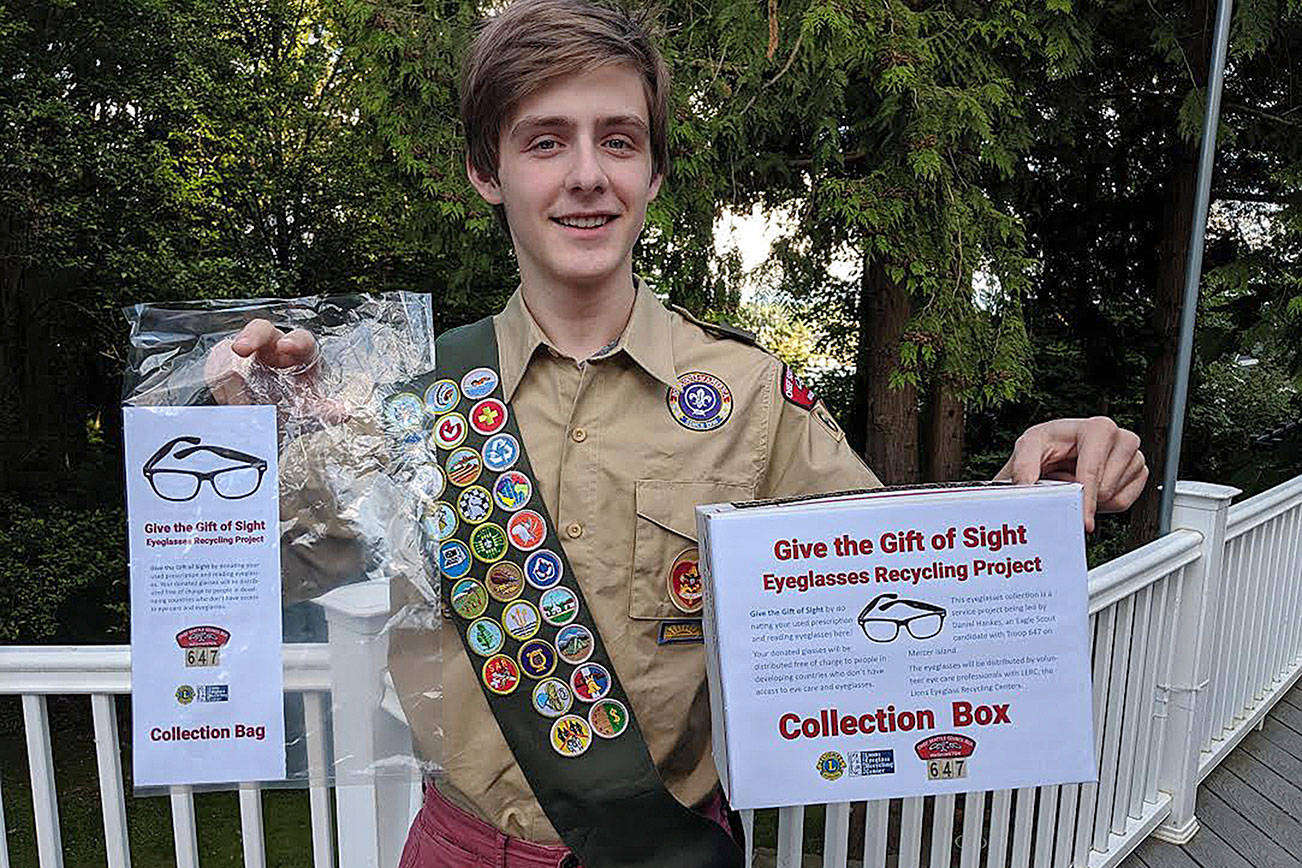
(486, 185)
(654, 189)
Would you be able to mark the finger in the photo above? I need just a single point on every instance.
(1094, 442)
(298, 348)
(1127, 492)
(1028, 456)
(258, 336)
(1006, 472)
(1117, 467)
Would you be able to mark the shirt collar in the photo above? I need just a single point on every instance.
(648, 339)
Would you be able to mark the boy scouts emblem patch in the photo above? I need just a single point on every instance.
(464, 467)
(527, 530)
(551, 698)
(512, 490)
(403, 411)
(590, 682)
(454, 561)
(501, 451)
(475, 504)
(501, 674)
(449, 431)
(571, 735)
(795, 391)
(479, 383)
(441, 397)
(469, 599)
(520, 620)
(559, 606)
(684, 582)
(485, 637)
(575, 644)
(609, 718)
(543, 569)
(505, 581)
(488, 416)
(488, 543)
(537, 658)
(680, 633)
(700, 401)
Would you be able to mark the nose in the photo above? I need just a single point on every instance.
(586, 170)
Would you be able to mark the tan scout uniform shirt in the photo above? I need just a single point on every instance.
(621, 478)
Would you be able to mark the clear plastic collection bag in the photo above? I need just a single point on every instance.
(355, 566)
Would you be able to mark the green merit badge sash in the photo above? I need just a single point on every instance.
(528, 632)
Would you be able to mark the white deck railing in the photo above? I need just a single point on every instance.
(1194, 637)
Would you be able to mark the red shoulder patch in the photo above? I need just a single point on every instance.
(795, 391)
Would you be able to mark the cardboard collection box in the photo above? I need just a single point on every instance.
(897, 643)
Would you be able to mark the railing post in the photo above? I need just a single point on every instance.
(372, 784)
(1202, 507)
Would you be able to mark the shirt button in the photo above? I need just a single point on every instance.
(574, 530)
(579, 435)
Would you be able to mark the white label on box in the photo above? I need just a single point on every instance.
(899, 644)
(206, 672)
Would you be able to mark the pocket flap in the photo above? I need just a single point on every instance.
(672, 504)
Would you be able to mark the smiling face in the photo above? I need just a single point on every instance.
(574, 176)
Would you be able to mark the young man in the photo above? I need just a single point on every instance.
(630, 414)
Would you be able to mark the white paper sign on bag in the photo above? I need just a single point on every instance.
(206, 672)
(898, 643)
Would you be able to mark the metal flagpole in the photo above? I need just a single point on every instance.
(1194, 264)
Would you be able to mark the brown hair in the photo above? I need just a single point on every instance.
(531, 43)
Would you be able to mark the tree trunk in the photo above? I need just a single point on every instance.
(943, 439)
(889, 415)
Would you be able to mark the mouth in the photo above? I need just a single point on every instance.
(585, 222)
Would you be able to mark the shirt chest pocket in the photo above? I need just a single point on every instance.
(664, 542)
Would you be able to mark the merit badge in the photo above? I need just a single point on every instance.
(700, 401)
(571, 735)
(479, 383)
(609, 718)
(537, 658)
(684, 582)
(505, 581)
(543, 569)
(512, 490)
(485, 637)
(454, 559)
(591, 682)
(469, 599)
(527, 530)
(552, 698)
(575, 644)
(445, 520)
(795, 391)
(475, 504)
(488, 543)
(520, 620)
(464, 467)
(559, 606)
(501, 451)
(449, 431)
(488, 416)
(403, 411)
(501, 674)
(201, 644)
(428, 481)
(441, 397)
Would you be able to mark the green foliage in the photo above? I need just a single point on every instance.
(62, 573)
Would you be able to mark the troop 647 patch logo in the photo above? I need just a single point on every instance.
(946, 755)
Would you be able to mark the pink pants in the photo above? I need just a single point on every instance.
(445, 836)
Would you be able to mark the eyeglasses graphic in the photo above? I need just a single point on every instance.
(920, 619)
(230, 483)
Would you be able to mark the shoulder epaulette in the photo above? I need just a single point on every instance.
(718, 329)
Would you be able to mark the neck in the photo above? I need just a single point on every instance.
(579, 320)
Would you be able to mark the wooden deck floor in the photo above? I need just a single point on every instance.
(1250, 808)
